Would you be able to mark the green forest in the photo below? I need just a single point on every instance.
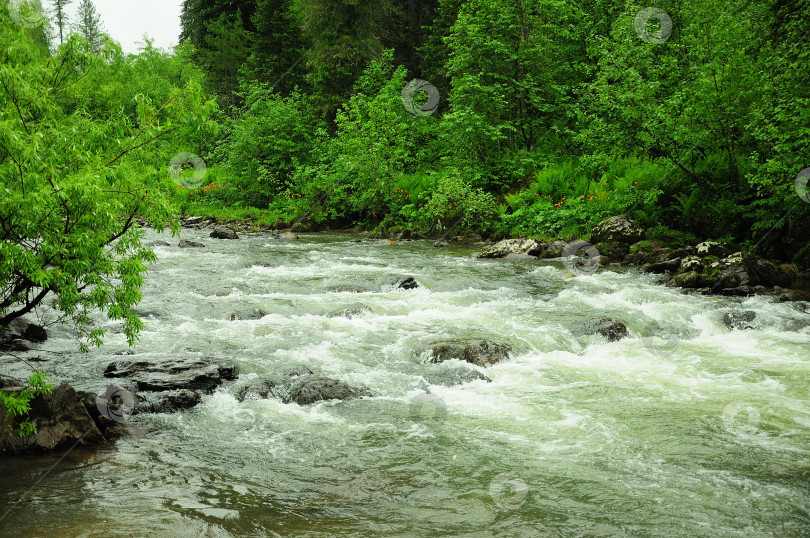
(537, 118)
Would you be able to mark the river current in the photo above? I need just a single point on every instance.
(683, 428)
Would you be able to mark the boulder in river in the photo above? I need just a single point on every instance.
(555, 250)
(174, 374)
(189, 244)
(449, 376)
(741, 320)
(398, 282)
(310, 389)
(612, 330)
(61, 420)
(501, 249)
(262, 388)
(224, 232)
(20, 335)
(246, 314)
(167, 402)
(743, 269)
(288, 236)
(478, 352)
(618, 229)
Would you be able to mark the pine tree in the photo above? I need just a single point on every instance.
(59, 12)
(88, 25)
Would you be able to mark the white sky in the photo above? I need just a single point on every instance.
(127, 20)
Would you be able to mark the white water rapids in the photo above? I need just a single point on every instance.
(684, 428)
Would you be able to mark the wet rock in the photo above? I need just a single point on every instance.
(663, 267)
(740, 291)
(348, 288)
(398, 282)
(193, 220)
(612, 330)
(555, 249)
(711, 248)
(350, 311)
(618, 229)
(168, 402)
(478, 352)
(189, 244)
(157, 244)
(288, 236)
(503, 248)
(691, 263)
(21, 335)
(743, 269)
(298, 371)
(173, 374)
(262, 388)
(513, 256)
(224, 232)
(439, 244)
(449, 377)
(741, 320)
(312, 389)
(246, 314)
(690, 279)
(61, 420)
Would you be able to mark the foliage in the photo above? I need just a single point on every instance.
(18, 403)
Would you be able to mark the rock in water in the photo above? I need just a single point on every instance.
(288, 236)
(189, 244)
(350, 311)
(224, 232)
(618, 229)
(740, 320)
(478, 352)
(174, 374)
(61, 420)
(314, 389)
(20, 334)
(501, 249)
(612, 330)
(399, 282)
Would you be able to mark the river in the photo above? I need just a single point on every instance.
(684, 428)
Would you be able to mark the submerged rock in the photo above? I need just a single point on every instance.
(61, 420)
(612, 330)
(224, 232)
(740, 320)
(20, 335)
(261, 388)
(478, 352)
(288, 236)
(436, 375)
(173, 374)
(349, 311)
(246, 314)
(189, 244)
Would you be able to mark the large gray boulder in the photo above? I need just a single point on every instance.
(174, 374)
(21, 335)
(311, 389)
(612, 330)
(618, 229)
(501, 249)
(224, 232)
(61, 420)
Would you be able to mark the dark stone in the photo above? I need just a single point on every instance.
(224, 232)
(744, 269)
(690, 279)
(19, 335)
(168, 402)
(555, 249)
(711, 248)
(663, 267)
(612, 330)
(298, 371)
(174, 374)
(399, 282)
(61, 420)
(741, 291)
(740, 320)
(261, 389)
(189, 244)
(478, 352)
(315, 389)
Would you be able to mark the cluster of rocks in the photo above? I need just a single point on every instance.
(708, 265)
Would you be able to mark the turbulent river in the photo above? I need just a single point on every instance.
(684, 428)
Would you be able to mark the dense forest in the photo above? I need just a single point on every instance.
(537, 118)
